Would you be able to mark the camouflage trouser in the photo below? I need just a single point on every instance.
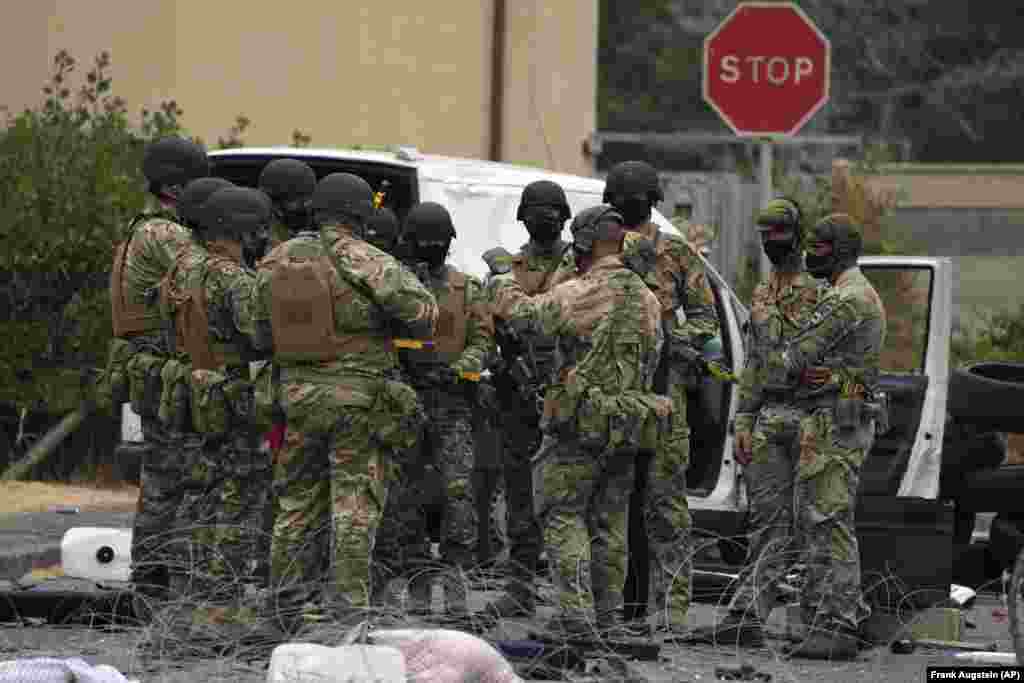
(225, 509)
(156, 549)
(770, 490)
(331, 479)
(667, 513)
(802, 485)
(828, 474)
(582, 508)
(448, 450)
(521, 439)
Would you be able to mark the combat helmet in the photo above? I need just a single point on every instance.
(287, 180)
(382, 229)
(598, 223)
(543, 193)
(782, 213)
(428, 221)
(195, 194)
(343, 195)
(232, 212)
(632, 179)
(844, 235)
(173, 161)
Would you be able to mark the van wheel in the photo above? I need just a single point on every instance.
(990, 394)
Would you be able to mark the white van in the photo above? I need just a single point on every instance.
(901, 522)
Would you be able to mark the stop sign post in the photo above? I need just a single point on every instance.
(766, 72)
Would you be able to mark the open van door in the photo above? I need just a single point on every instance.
(905, 532)
(917, 295)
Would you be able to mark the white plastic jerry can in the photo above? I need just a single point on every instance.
(97, 553)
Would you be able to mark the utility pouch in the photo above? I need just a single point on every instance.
(592, 425)
(145, 384)
(211, 414)
(878, 409)
(176, 396)
(113, 384)
(849, 413)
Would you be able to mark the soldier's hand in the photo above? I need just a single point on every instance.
(744, 447)
(498, 260)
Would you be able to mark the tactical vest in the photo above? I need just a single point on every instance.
(533, 282)
(129, 319)
(192, 321)
(303, 295)
(452, 320)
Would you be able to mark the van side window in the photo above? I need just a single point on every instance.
(905, 293)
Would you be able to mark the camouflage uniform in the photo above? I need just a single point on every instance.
(226, 504)
(845, 334)
(682, 284)
(593, 419)
(779, 310)
(535, 271)
(138, 353)
(347, 415)
(465, 335)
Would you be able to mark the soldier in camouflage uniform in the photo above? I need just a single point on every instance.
(328, 304)
(210, 291)
(598, 412)
(141, 345)
(632, 188)
(518, 372)
(444, 374)
(184, 444)
(835, 360)
(767, 425)
(289, 183)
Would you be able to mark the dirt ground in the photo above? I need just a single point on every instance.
(35, 496)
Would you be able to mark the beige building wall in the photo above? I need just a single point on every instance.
(550, 93)
(345, 72)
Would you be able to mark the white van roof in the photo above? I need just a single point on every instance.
(478, 193)
(432, 166)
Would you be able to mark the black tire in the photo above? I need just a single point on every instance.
(1015, 606)
(989, 394)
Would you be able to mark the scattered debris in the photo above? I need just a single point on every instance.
(962, 596)
(999, 658)
(905, 646)
(744, 672)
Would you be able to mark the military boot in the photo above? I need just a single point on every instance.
(736, 629)
(837, 643)
(519, 598)
(567, 624)
(456, 594)
(420, 599)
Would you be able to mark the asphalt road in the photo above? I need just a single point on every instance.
(119, 647)
(679, 663)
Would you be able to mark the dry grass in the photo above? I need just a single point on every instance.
(34, 496)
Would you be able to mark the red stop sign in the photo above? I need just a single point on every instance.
(766, 69)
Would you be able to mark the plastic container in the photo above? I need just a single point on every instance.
(97, 553)
(311, 663)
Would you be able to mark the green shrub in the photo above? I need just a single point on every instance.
(69, 181)
(996, 335)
